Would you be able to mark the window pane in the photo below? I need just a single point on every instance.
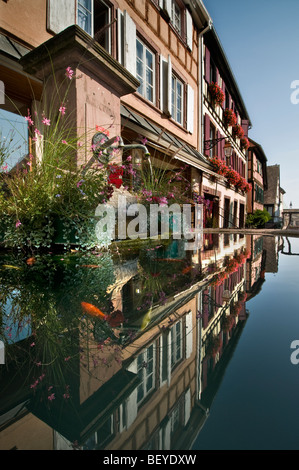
(149, 59)
(13, 138)
(145, 71)
(86, 4)
(84, 19)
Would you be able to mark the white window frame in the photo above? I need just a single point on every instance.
(146, 368)
(174, 97)
(176, 332)
(143, 78)
(108, 32)
(176, 17)
(89, 14)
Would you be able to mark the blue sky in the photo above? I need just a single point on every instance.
(261, 42)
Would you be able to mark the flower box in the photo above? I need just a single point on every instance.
(244, 143)
(230, 119)
(216, 93)
(238, 131)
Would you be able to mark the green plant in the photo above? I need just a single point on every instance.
(258, 218)
(47, 191)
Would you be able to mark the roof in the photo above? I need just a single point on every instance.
(165, 139)
(213, 42)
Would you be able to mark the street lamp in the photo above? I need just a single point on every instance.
(228, 149)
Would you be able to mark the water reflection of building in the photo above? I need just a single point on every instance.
(255, 266)
(152, 390)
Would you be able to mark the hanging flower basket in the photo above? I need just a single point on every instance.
(219, 166)
(236, 308)
(232, 177)
(214, 345)
(230, 119)
(227, 322)
(216, 93)
(238, 131)
(244, 143)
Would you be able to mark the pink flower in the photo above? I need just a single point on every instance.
(64, 142)
(163, 201)
(79, 144)
(62, 110)
(144, 140)
(34, 384)
(46, 121)
(51, 397)
(69, 73)
(29, 120)
(129, 158)
(18, 223)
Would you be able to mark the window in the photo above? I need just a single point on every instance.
(102, 24)
(177, 100)
(145, 372)
(259, 194)
(212, 137)
(14, 139)
(95, 17)
(176, 16)
(85, 15)
(226, 99)
(213, 72)
(145, 70)
(176, 343)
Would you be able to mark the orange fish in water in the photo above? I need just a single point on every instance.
(92, 310)
(91, 266)
(186, 270)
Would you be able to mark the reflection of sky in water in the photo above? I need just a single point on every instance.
(14, 330)
(13, 126)
(256, 406)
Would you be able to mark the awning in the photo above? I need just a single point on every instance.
(163, 140)
(11, 47)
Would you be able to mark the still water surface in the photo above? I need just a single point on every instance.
(152, 347)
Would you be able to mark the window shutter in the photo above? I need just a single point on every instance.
(169, 86)
(190, 109)
(189, 335)
(206, 134)
(189, 32)
(2, 92)
(120, 36)
(167, 7)
(166, 85)
(161, 3)
(207, 65)
(129, 44)
(60, 15)
(187, 407)
(130, 404)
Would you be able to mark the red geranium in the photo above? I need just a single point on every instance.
(216, 93)
(244, 143)
(238, 131)
(230, 117)
(115, 176)
(218, 166)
